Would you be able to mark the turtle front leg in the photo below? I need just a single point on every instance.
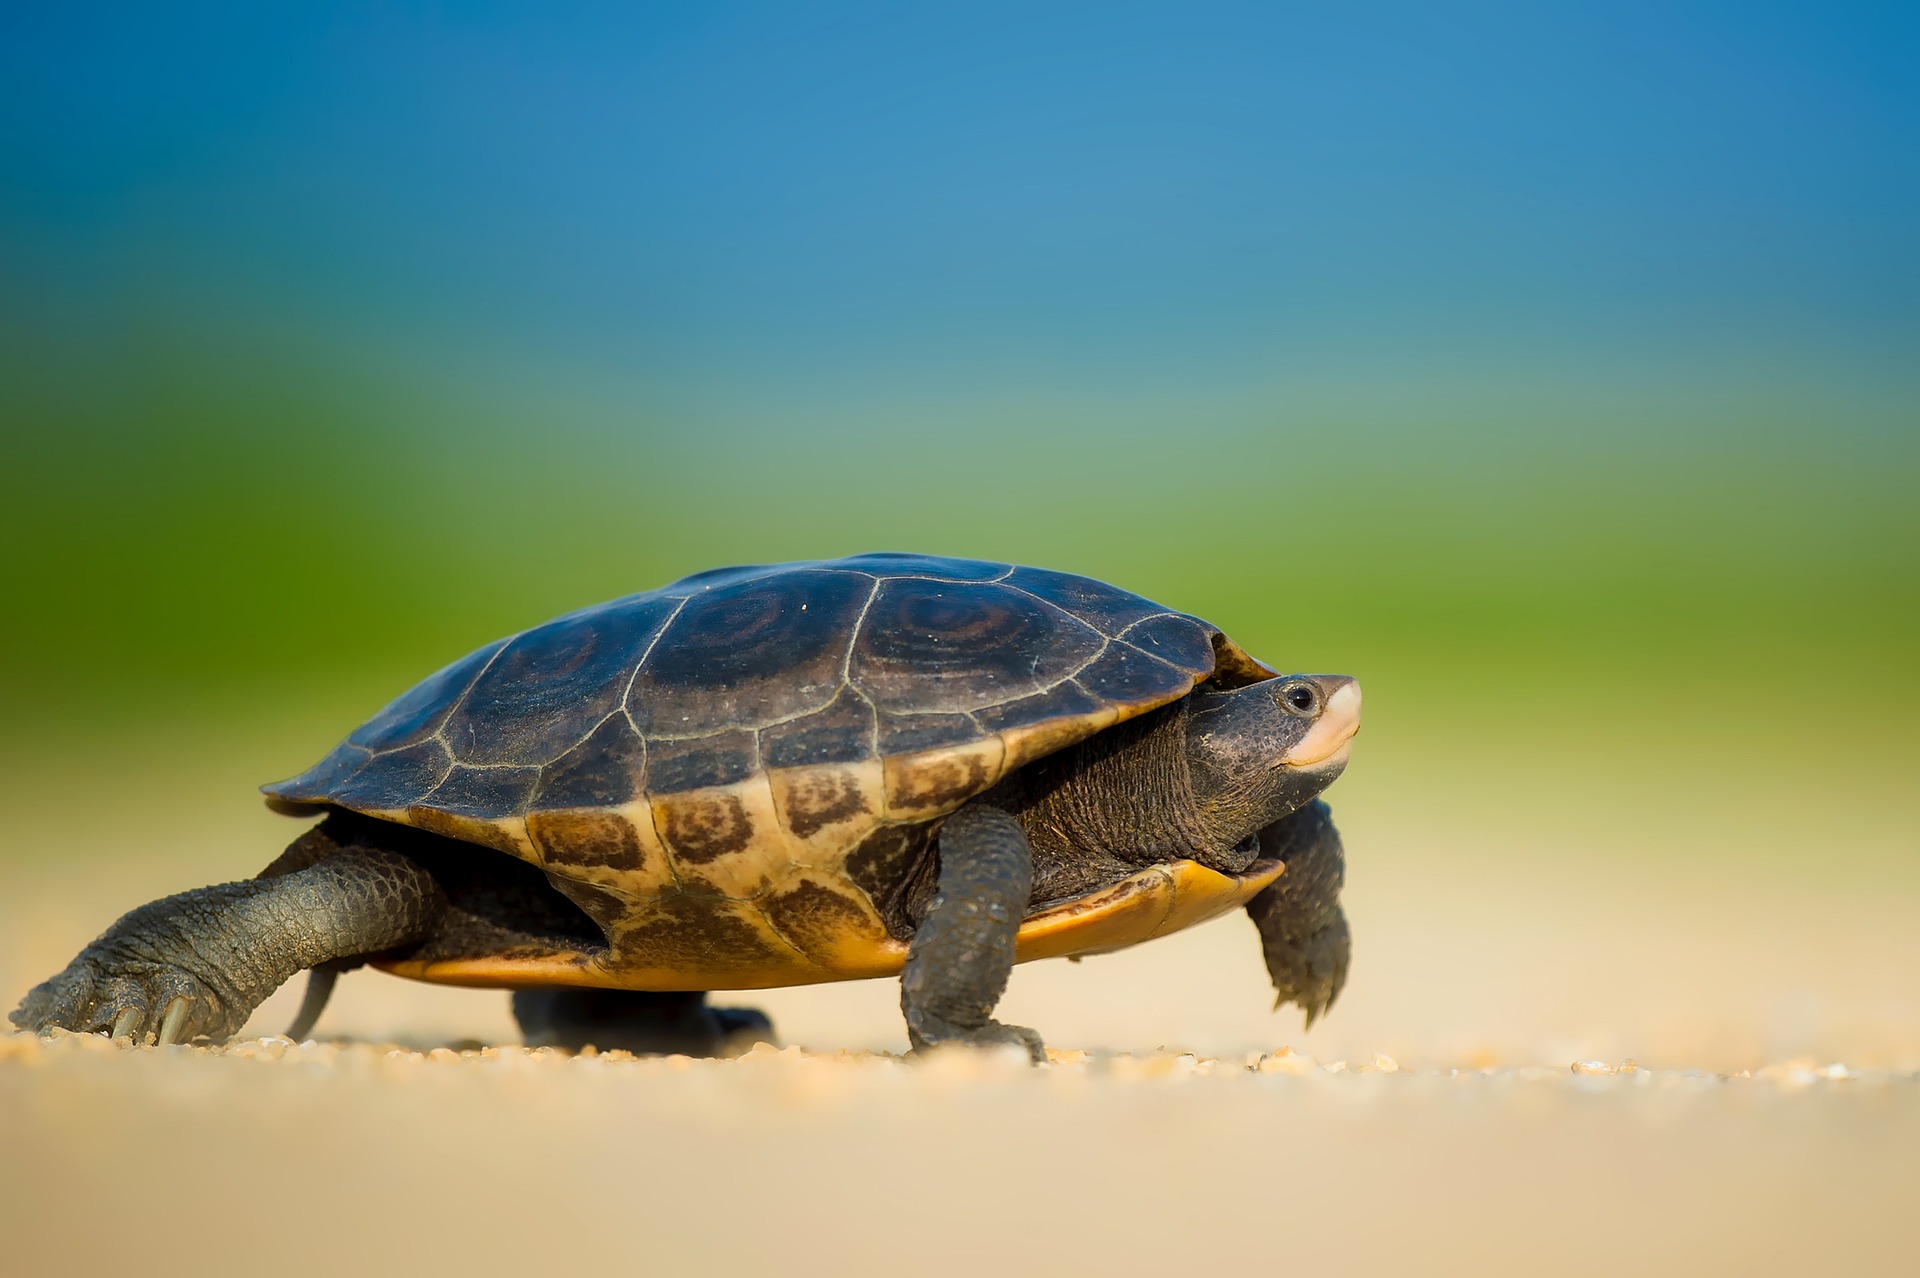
(1303, 931)
(962, 952)
(199, 963)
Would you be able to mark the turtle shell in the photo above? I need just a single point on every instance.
(729, 774)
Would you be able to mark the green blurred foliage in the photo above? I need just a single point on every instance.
(221, 525)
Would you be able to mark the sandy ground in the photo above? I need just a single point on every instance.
(326, 1158)
(1464, 1109)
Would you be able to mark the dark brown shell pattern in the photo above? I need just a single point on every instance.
(762, 742)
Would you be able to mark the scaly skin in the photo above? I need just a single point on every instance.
(962, 953)
(197, 964)
(1303, 931)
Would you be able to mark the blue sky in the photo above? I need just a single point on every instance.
(756, 215)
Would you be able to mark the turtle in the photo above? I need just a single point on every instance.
(888, 764)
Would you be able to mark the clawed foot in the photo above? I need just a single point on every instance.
(126, 997)
(1310, 973)
(1303, 930)
(929, 1033)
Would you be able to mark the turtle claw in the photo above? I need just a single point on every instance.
(174, 1022)
(994, 1034)
(1310, 974)
(132, 999)
(927, 1036)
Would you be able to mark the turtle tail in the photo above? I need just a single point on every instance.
(319, 989)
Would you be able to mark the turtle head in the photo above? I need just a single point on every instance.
(1258, 752)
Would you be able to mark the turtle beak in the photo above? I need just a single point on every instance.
(1327, 742)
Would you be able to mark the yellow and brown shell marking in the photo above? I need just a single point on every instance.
(729, 773)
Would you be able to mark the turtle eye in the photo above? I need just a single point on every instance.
(1302, 699)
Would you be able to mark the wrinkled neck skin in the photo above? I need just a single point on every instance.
(1196, 780)
(1234, 743)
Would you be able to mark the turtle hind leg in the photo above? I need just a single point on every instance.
(639, 1021)
(197, 964)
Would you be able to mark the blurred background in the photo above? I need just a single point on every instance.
(1554, 371)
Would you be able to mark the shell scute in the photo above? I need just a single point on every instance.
(503, 834)
(1175, 638)
(417, 713)
(617, 849)
(842, 731)
(1066, 700)
(726, 841)
(606, 770)
(1107, 609)
(547, 685)
(935, 782)
(821, 805)
(913, 733)
(750, 654)
(734, 939)
(395, 778)
(702, 826)
(929, 646)
(1047, 721)
(832, 923)
(1126, 676)
(700, 763)
(484, 792)
(589, 839)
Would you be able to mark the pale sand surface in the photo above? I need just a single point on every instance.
(363, 1159)
(1433, 1123)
